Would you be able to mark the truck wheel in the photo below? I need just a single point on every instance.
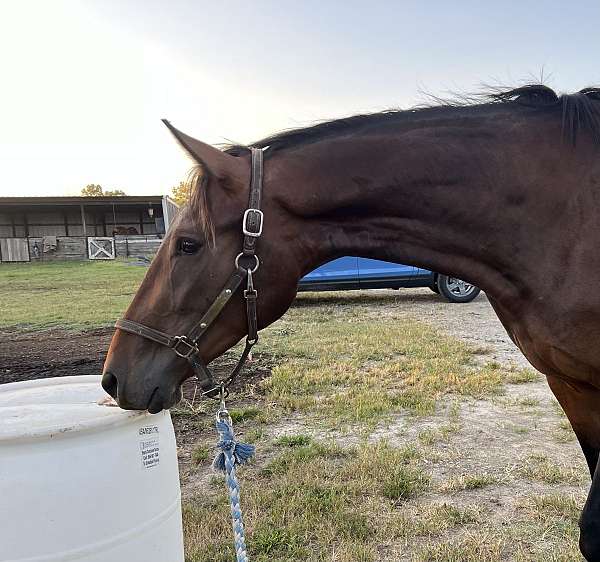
(456, 290)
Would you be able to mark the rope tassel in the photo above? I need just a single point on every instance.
(240, 452)
(232, 454)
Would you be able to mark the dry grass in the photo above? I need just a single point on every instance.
(352, 369)
(468, 482)
(539, 467)
(312, 499)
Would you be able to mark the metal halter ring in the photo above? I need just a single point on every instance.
(237, 262)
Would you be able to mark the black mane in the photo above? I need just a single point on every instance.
(579, 111)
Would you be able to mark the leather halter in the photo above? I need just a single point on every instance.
(246, 264)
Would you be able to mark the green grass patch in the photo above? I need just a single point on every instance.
(254, 435)
(304, 453)
(244, 414)
(200, 454)
(294, 441)
(403, 483)
(72, 295)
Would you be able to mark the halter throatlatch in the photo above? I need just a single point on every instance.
(246, 264)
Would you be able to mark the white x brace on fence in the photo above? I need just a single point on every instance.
(101, 248)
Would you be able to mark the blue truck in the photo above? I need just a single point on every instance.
(361, 273)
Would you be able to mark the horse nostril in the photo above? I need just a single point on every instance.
(110, 384)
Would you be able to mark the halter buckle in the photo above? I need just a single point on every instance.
(189, 348)
(248, 215)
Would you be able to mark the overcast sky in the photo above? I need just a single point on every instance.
(85, 83)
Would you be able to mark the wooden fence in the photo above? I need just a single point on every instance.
(75, 248)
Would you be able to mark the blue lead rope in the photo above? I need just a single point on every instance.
(231, 454)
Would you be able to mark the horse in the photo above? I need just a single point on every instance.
(124, 231)
(502, 191)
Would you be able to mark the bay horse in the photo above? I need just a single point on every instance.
(503, 192)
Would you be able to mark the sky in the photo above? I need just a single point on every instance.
(84, 83)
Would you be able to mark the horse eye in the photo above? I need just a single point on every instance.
(187, 246)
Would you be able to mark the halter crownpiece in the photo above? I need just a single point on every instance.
(246, 264)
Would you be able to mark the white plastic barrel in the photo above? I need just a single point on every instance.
(81, 481)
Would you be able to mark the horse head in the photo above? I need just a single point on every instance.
(202, 270)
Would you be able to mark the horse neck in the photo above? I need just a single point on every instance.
(429, 198)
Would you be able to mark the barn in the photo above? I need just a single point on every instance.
(78, 228)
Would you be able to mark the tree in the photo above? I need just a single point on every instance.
(181, 193)
(92, 190)
(95, 190)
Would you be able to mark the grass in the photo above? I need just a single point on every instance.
(522, 376)
(200, 454)
(244, 414)
(294, 441)
(310, 499)
(473, 547)
(540, 468)
(564, 432)
(433, 520)
(347, 369)
(442, 433)
(71, 295)
(468, 482)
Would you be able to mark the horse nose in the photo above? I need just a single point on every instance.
(110, 384)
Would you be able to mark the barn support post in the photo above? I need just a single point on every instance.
(83, 219)
(84, 227)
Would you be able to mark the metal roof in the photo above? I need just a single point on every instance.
(79, 200)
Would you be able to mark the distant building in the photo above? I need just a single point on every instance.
(55, 228)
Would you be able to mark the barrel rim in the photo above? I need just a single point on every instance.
(20, 433)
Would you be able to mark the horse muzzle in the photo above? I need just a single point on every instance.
(153, 398)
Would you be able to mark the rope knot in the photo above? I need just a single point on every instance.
(239, 453)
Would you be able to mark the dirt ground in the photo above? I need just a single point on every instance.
(51, 353)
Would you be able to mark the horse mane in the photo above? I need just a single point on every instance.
(578, 112)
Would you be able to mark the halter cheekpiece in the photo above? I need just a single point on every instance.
(246, 264)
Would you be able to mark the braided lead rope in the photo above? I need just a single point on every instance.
(232, 453)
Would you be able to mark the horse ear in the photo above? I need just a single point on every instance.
(216, 161)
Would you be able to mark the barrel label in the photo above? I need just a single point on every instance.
(149, 446)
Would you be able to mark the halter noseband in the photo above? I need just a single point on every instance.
(246, 264)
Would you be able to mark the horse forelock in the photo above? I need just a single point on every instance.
(197, 182)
